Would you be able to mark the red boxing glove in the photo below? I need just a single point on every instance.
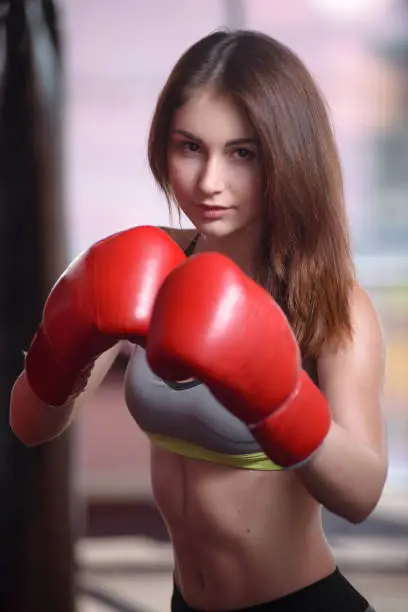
(212, 322)
(105, 295)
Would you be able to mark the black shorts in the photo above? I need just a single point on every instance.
(331, 594)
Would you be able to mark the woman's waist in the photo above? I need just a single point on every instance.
(220, 575)
(220, 534)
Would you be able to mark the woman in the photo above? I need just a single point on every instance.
(241, 143)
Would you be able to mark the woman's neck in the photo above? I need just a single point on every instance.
(240, 246)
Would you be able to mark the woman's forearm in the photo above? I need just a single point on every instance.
(31, 419)
(34, 422)
(345, 476)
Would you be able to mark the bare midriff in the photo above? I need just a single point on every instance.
(240, 537)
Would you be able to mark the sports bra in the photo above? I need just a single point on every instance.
(186, 419)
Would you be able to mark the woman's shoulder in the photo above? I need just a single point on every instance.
(363, 309)
(366, 324)
(182, 237)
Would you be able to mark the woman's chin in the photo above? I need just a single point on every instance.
(215, 229)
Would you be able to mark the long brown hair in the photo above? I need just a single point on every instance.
(304, 257)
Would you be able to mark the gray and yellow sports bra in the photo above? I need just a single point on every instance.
(186, 419)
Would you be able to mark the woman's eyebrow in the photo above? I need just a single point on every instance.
(229, 143)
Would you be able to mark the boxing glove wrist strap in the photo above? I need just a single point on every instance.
(48, 379)
(295, 431)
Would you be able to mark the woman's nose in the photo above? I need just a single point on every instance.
(212, 180)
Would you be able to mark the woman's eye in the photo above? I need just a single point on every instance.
(244, 154)
(190, 147)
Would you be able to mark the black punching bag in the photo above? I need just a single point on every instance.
(36, 560)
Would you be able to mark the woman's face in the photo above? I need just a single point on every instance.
(214, 165)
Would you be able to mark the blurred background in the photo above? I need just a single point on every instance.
(116, 57)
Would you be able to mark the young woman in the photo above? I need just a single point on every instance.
(241, 143)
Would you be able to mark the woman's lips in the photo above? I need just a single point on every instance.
(212, 212)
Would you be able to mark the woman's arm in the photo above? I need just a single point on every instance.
(347, 474)
(34, 422)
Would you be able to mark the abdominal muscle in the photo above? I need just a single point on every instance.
(240, 537)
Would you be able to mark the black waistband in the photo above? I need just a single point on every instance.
(331, 594)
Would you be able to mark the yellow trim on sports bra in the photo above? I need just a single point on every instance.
(248, 461)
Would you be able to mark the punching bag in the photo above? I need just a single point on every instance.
(36, 559)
